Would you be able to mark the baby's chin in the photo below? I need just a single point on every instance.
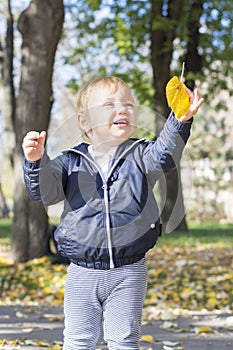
(123, 131)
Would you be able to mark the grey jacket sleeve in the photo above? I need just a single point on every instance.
(163, 155)
(45, 179)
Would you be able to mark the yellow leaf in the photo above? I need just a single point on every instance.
(153, 296)
(55, 347)
(147, 338)
(181, 330)
(204, 329)
(211, 294)
(47, 291)
(42, 343)
(177, 97)
(56, 318)
(212, 302)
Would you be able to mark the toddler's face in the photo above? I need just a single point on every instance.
(110, 117)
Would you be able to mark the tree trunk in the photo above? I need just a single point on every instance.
(4, 210)
(162, 37)
(193, 59)
(7, 94)
(41, 27)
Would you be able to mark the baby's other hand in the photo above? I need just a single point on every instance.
(196, 102)
(33, 145)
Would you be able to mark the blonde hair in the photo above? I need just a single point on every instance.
(82, 97)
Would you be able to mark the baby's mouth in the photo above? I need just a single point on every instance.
(121, 122)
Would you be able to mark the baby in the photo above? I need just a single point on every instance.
(110, 217)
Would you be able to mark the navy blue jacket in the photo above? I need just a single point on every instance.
(108, 221)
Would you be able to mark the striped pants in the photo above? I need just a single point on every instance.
(115, 296)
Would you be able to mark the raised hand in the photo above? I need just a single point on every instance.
(196, 102)
(34, 145)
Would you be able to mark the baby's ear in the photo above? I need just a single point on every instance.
(83, 122)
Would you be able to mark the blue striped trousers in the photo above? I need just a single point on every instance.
(115, 296)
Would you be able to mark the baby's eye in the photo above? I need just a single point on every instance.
(108, 105)
(129, 105)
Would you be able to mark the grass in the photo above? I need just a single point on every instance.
(208, 233)
(5, 231)
(212, 234)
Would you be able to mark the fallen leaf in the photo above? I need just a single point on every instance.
(30, 342)
(147, 338)
(44, 343)
(181, 330)
(204, 329)
(228, 324)
(167, 315)
(3, 341)
(56, 319)
(168, 324)
(171, 343)
(55, 347)
(27, 330)
(20, 315)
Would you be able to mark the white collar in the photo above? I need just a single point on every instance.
(98, 154)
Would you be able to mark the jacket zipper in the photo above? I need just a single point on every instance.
(105, 188)
(109, 238)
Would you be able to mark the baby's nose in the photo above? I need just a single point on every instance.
(121, 108)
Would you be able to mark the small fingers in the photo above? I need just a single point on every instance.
(190, 93)
(198, 97)
(42, 137)
(34, 137)
(196, 101)
(33, 145)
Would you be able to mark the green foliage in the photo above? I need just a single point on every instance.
(94, 4)
(113, 38)
(113, 42)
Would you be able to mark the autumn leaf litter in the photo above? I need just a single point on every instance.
(181, 281)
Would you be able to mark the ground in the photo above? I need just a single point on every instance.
(189, 303)
(34, 328)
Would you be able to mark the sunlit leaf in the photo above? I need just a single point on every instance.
(204, 329)
(168, 324)
(56, 318)
(171, 343)
(55, 347)
(177, 97)
(20, 315)
(3, 341)
(147, 338)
